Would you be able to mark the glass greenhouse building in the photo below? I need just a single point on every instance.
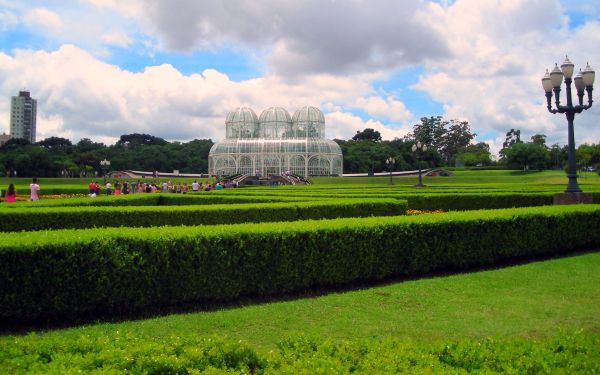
(275, 143)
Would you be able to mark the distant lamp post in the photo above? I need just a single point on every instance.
(419, 148)
(105, 165)
(390, 164)
(583, 80)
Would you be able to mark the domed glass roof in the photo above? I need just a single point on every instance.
(243, 115)
(241, 123)
(308, 122)
(275, 114)
(275, 122)
(308, 114)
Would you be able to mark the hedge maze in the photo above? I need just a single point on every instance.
(67, 258)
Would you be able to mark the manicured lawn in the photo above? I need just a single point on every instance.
(463, 180)
(531, 300)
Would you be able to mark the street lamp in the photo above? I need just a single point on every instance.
(418, 149)
(105, 165)
(552, 81)
(390, 164)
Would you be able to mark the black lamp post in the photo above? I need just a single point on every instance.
(552, 81)
(390, 164)
(105, 165)
(418, 148)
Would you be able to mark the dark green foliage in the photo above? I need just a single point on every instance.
(574, 352)
(52, 275)
(50, 218)
(156, 200)
(474, 201)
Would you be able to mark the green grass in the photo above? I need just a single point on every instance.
(463, 180)
(532, 300)
(465, 177)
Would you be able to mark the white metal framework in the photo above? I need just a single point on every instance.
(275, 143)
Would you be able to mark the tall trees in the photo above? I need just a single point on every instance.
(448, 137)
(512, 137)
(475, 155)
(367, 135)
(54, 156)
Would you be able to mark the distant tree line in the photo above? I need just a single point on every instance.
(449, 144)
(56, 157)
(447, 141)
(536, 155)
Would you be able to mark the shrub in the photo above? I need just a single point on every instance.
(58, 274)
(565, 352)
(47, 218)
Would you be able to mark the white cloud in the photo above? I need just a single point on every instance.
(130, 8)
(387, 107)
(344, 125)
(297, 37)
(80, 96)
(500, 52)
(8, 20)
(42, 17)
(118, 39)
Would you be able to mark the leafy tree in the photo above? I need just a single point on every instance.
(512, 137)
(457, 137)
(55, 143)
(527, 156)
(558, 156)
(367, 135)
(477, 154)
(430, 131)
(539, 139)
(135, 139)
(15, 143)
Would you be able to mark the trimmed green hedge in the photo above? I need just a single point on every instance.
(574, 352)
(68, 273)
(474, 201)
(147, 199)
(48, 218)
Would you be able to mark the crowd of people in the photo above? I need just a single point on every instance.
(118, 188)
(125, 187)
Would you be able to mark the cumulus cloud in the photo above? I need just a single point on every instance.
(118, 39)
(387, 107)
(81, 96)
(43, 17)
(501, 50)
(298, 37)
(344, 125)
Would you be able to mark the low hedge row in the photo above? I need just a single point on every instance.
(567, 352)
(50, 218)
(448, 201)
(68, 273)
(155, 200)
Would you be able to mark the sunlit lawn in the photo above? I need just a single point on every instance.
(531, 300)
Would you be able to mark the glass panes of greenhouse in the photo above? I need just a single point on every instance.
(276, 143)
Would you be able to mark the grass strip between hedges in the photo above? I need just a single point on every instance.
(54, 274)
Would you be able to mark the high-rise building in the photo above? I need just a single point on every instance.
(23, 111)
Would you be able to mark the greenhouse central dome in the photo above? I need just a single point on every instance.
(275, 143)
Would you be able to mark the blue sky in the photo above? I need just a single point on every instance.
(176, 69)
